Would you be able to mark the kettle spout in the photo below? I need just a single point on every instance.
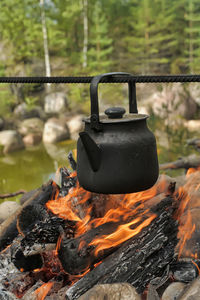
(92, 149)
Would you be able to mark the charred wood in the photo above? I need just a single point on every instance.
(191, 161)
(140, 259)
(8, 229)
(76, 255)
(185, 270)
(22, 262)
(72, 161)
(47, 231)
(67, 181)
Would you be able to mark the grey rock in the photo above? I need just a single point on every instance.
(192, 292)
(75, 125)
(11, 140)
(152, 293)
(173, 291)
(55, 131)
(7, 208)
(32, 139)
(32, 125)
(22, 111)
(174, 99)
(55, 103)
(115, 291)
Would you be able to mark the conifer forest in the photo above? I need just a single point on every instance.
(92, 36)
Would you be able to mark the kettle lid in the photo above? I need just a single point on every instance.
(117, 115)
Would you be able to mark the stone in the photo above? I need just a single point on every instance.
(173, 291)
(115, 291)
(192, 125)
(192, 292)
(75, 125)
(32, 125)
(172, 102)
(32, 139)
(22, 111)
(55, 131)
(7, 208)
(55, 103)
(152, 293)
(11, 141)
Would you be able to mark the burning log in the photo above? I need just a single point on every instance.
(138, 260)
(8, 229)
(76, 255)
(191, 161)
(47, 232)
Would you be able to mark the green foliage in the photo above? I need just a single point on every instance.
(139, 36)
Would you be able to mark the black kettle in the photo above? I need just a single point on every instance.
(116, 153)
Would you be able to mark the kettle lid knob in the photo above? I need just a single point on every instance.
(115, 112)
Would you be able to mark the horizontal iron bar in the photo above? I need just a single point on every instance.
(114, 79)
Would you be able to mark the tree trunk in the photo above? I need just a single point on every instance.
(45, 43)
(85, 32)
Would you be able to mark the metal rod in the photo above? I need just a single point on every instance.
(119, 79)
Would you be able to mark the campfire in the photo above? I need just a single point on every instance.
(65, 240)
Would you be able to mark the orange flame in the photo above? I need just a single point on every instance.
(123, 233)
(42, 291)
(192, 170)
(130, 210)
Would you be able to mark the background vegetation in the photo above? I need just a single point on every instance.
(90, 36)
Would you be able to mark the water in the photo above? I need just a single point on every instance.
(30, 168)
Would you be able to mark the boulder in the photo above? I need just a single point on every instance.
(32, 125)
(32, 139)
(11, 141)
(173, 100)
(55, 131)
(22, 111)
(192, 125)
(173, 291)
(115, 291)
(55, 103)
(7, 208)
(75, 125)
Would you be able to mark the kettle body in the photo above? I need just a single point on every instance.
(118, 156)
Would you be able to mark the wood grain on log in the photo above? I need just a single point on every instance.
(8, 229)
(140, 259)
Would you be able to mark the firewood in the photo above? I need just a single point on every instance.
(76, 255)
(191, 161)
(140, 259)
(8, 229)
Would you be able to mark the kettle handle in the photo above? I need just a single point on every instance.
(94, 97)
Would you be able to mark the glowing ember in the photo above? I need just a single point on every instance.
(42, 291)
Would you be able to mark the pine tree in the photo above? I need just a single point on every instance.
(192, 30)
(20, 29)
(100, 44)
